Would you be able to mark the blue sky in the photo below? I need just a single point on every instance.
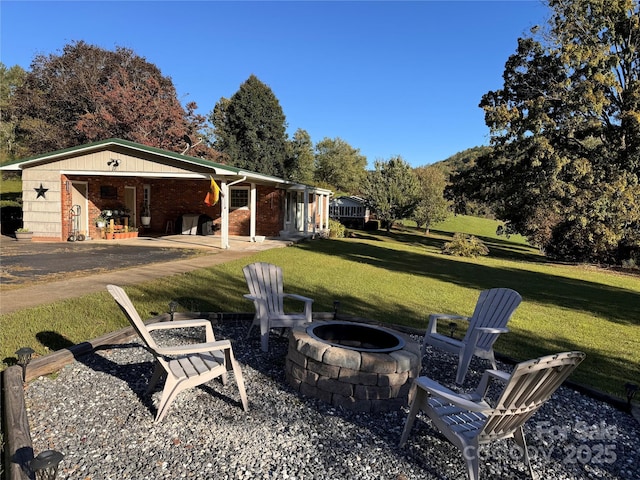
(389, 78)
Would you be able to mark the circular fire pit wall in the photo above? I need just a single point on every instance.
(353, 365)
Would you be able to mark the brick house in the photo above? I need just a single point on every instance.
(67, 190)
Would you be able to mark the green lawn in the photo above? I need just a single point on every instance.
(398, 278)
(10, 191)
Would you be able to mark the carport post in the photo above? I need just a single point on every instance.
(224, 215)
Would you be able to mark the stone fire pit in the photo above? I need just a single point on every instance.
(352, 365)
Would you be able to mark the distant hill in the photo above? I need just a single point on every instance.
(462, 160)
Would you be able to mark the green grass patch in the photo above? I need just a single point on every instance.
(10, 191)
(396, 278)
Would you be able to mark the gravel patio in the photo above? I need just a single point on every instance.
(95, 412)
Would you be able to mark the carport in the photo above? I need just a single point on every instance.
(132, 179)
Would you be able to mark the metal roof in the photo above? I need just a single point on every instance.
(217, 168)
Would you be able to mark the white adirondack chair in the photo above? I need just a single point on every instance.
(493, 310)
(469, 421)
(186, 366)
(266, 287)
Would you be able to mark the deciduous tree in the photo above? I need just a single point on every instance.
(392, 190)
(565, 169)
(431, 207)
(10, 80)
(300, 159)
(339, 165)
(88, 93)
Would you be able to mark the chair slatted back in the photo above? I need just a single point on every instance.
(265, 280)
(531, 384)
(125, 304)
(493, 309)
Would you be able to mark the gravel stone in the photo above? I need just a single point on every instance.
(95, 411)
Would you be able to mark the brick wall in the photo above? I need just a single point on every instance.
(171, 198)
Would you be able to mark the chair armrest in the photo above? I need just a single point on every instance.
(198, 322)
(248, 296)
(295, 296)
(485, 381)
(496, 330)
(440, 391)
(476, 332)
(195, 348)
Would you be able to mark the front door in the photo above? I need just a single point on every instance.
(130, 205)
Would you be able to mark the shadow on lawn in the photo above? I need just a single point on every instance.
(544, 288)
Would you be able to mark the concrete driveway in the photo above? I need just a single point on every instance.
(34, 273)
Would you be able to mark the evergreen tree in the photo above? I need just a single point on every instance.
(250, 129)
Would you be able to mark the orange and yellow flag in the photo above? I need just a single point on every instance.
(213, 195)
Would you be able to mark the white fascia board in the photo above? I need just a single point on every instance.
(302, 187)
(134, 174)
(259, 177)
(11, 168)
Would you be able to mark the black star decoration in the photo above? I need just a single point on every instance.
(41, 192)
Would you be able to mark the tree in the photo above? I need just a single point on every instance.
(88, 93)
(10, 80)
(250, 129)
(300, 159)
(565, 169)
(432, 207)
(339, 165)
(392, 190)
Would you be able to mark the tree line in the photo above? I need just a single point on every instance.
(562, 167)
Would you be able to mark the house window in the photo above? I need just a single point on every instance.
(239, 198)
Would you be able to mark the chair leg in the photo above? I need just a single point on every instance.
(264, 335)
(470, 455)
(418, 400)
(464, 359)
(254, 322)
(423, 348)
(492, 359)
(237, 373)
(518, 436)
(171, 390)
(158, 372)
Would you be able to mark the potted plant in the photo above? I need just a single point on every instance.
(101, 221)
(145, 218)
(24, 235)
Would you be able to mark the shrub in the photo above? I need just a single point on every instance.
(464, 245)
(372, 225)
(336, 229)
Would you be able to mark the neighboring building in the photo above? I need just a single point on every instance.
(68, 189)
(351, 211)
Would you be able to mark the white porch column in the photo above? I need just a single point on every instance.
(306, 211)
(224, 215)
(314, 213)
(253, 193)
(326, 213)
(320, 204)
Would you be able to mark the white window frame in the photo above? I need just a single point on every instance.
(237, 189)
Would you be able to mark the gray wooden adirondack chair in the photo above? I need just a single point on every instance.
(185, 366)
(469, 421)
(266, 287)
(493, 310)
